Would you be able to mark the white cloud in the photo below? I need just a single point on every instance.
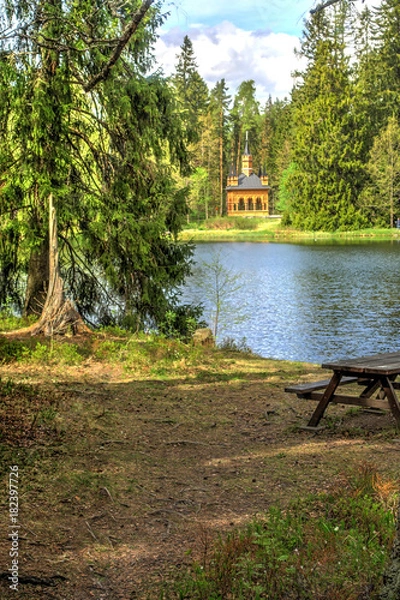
(227, 51)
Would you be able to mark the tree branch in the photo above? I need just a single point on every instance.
(322, 6)
(122, 42)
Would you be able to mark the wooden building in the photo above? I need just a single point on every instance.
(247, 193)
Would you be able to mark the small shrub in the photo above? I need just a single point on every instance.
(182, 321)
(231, 345)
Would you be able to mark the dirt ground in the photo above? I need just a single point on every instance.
(127, 479)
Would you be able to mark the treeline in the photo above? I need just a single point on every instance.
(216, 123)
(332, 150)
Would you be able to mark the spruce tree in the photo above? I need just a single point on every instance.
(84, 124)
(387, 39)
(191, 89)
(327, 172)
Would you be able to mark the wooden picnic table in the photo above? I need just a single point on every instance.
(376, 375)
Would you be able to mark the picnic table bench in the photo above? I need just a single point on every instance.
(375, 374)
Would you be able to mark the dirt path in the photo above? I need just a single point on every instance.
(127, 479)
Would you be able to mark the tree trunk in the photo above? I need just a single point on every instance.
(58, 315)
(38, 280)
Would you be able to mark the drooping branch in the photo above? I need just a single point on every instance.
(136, 20)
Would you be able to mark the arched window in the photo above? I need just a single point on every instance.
(241, 204)
(259, 204)
(250, 205)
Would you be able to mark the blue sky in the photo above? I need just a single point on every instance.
(283, 17)
(238, 40)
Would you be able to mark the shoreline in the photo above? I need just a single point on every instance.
(273, 232)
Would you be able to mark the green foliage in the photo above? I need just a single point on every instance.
(245, 116)
(182, 322)
(53, 352)
(384, 170)
(326, 174)
(10, 350)
(328, 545)
(109, 158)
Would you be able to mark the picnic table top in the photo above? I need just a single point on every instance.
(376, 364)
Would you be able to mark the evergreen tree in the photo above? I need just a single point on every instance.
(219, 105)
(387, 38)
(383, 195)
(191, 89)
(83, 124)
(327, 173)
(276, 142)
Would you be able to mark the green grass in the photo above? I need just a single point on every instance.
(232, 229)
(326, 546)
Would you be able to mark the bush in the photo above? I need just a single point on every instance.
(182, 321)
(231, 345)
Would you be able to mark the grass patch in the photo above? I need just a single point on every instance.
(11, 322)
(330, 545)
(54, 352)
(242, 229)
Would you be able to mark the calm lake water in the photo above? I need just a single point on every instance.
(307, 302)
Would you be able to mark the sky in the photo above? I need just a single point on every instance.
(237, 40)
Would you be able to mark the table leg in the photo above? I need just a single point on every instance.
(326, 398)
(371, 388)
(388, 388)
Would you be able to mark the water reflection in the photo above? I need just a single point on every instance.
(313, 302)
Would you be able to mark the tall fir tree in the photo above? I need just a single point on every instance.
(387, 39)
(84, 124)
(191, 89)
(219, 106)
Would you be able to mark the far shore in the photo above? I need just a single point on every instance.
(271, 230)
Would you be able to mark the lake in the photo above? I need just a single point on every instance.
(302, 302)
